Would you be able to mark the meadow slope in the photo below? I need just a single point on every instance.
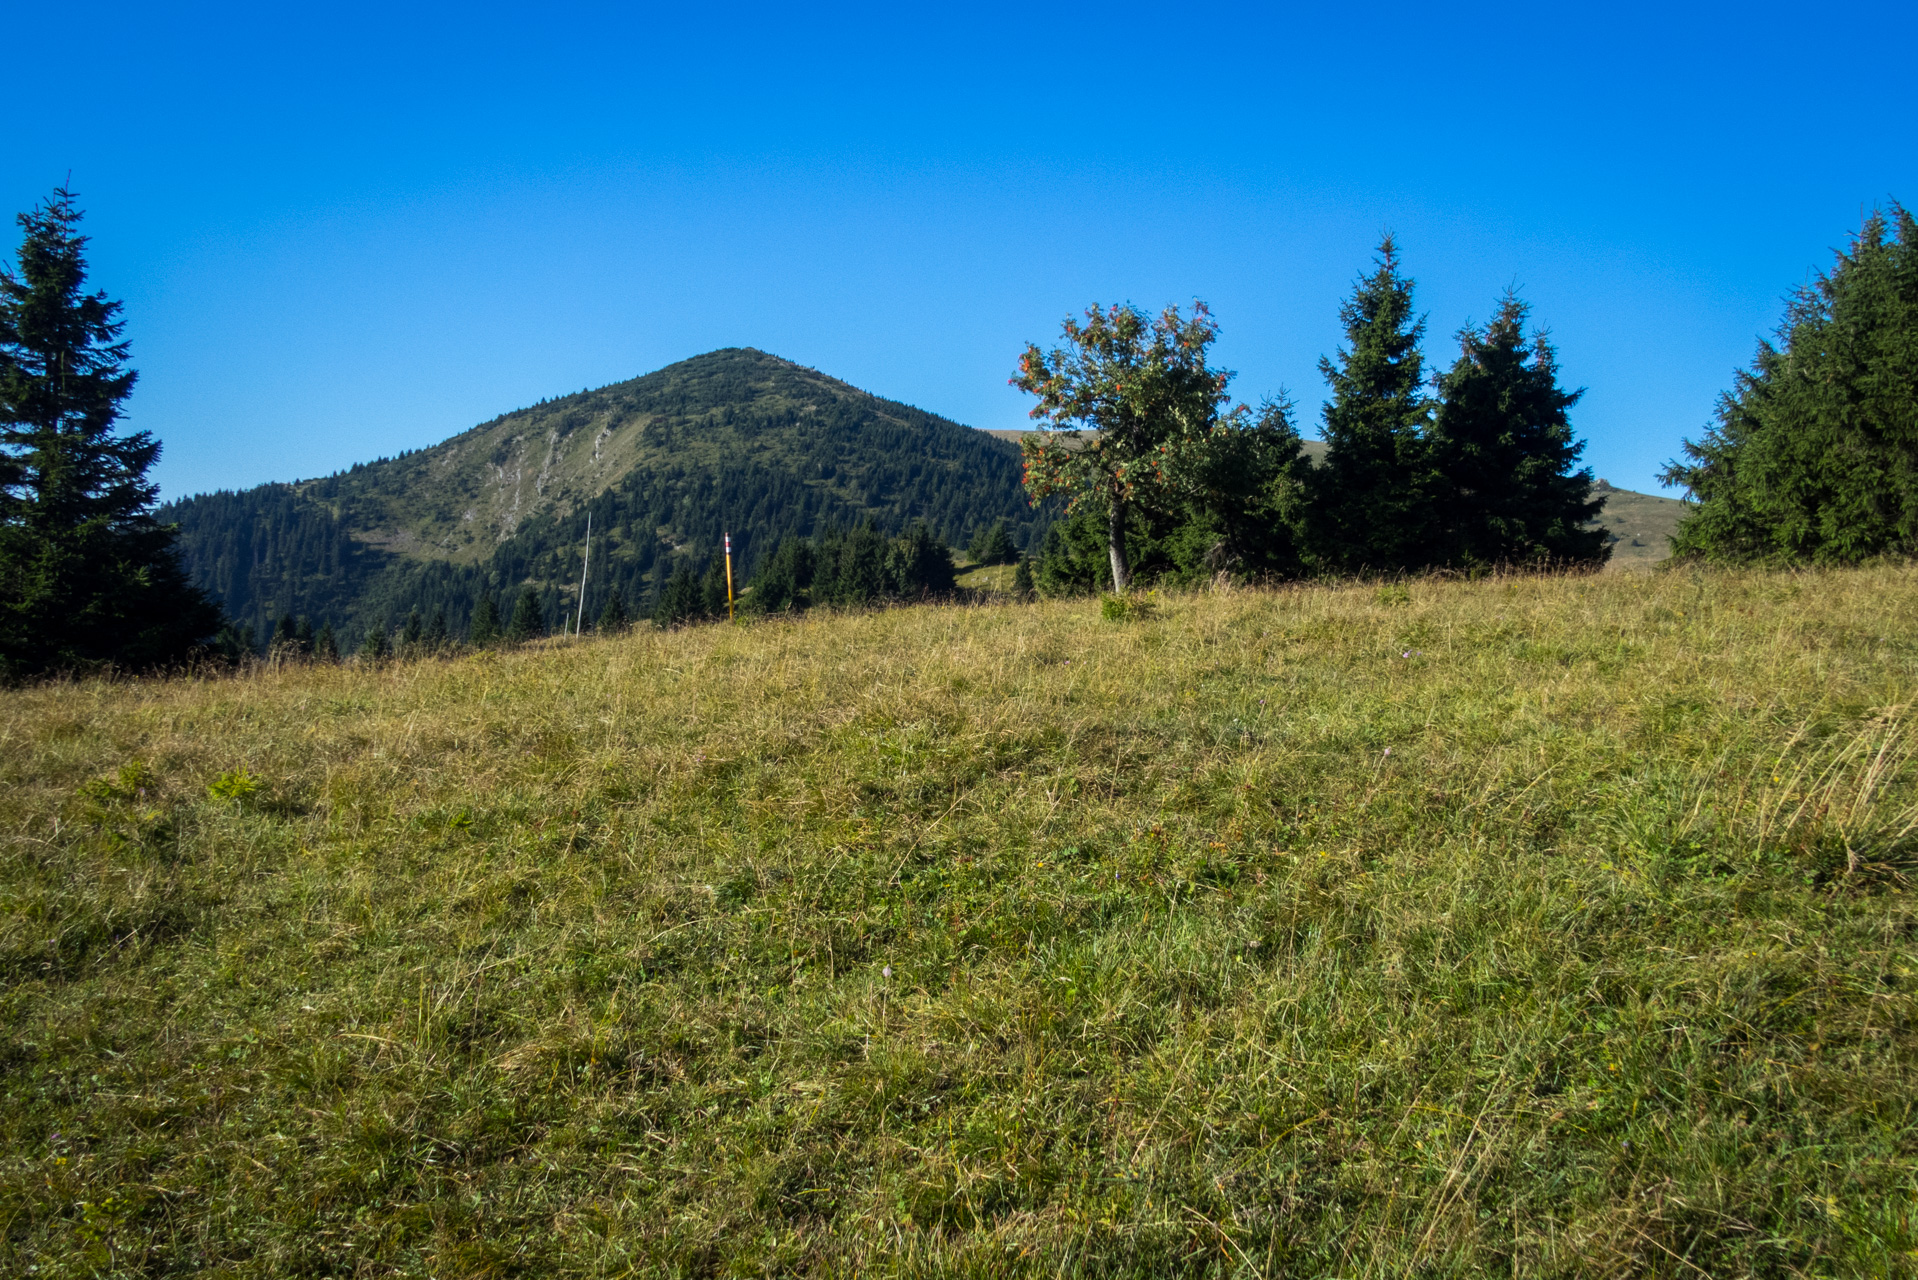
(1540, 927)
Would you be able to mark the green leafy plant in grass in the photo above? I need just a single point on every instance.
(237, 786)
(127, 809)
(132, 782)
(1128, 608)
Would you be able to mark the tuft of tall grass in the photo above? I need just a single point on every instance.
(1522, 926)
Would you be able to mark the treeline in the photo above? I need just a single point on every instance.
(289, 539)
(1473, 468)
(852, 569)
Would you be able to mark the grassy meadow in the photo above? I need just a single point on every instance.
(1518, 927)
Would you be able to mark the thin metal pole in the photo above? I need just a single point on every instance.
(729, 577)
(580, 623)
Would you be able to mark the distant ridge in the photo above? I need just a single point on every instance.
(734, 440)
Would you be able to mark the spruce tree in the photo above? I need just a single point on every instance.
(1022, 584)
(784, 577)
(528, 622)
(613, 619)
(413, 632)
(325, 647)
(713, 589)
(851, 567)
(1368, 507)
(87, 575)
(1502, 453)
(285, 636)
(919, 564)
(680, 600)
(437, 637)
(1814, 458)
(236, 643)
(303, 635)
(373, 646)
(485, 629)
(994, 545)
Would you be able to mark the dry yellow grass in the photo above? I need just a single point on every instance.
(1518, 927)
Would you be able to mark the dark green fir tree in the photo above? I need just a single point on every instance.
(1506, 487)
(851, 568)
(413, 634)
(236, 643)
(285, 636)
(485, 629)
(437, 636)
(712, 589)
(374, 645)
(88, 577)
(1022, 583)
(784, 578)
(680, 600)
(529, 622)
(993, 544)
(613, 618)
(303, 635)
(1814, 459)
(1368, 508)
(919, 564)
(325, 647)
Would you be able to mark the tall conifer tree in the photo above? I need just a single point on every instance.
(87, 575)
(613, 618)
(1504, 488)
(680, 599)
(1370, 508)
(528, 621)
(1815, 455)
(485, 628)
(712, 589)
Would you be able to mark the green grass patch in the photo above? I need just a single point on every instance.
(1518, 927)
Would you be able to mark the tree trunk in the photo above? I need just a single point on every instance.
(1115, 544)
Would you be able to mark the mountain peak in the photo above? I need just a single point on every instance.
(735, 440)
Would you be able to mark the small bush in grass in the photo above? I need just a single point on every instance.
(1128, 608)
(236, 785)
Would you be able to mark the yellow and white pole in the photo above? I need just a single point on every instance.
(729, 577)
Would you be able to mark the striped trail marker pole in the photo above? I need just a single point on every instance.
(729, 577)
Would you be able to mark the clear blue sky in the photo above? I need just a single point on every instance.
(343, 232)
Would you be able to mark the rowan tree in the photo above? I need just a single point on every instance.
(1144, 387)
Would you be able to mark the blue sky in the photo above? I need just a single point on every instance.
(340, 232)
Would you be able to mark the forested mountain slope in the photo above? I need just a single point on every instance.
(733, 440)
